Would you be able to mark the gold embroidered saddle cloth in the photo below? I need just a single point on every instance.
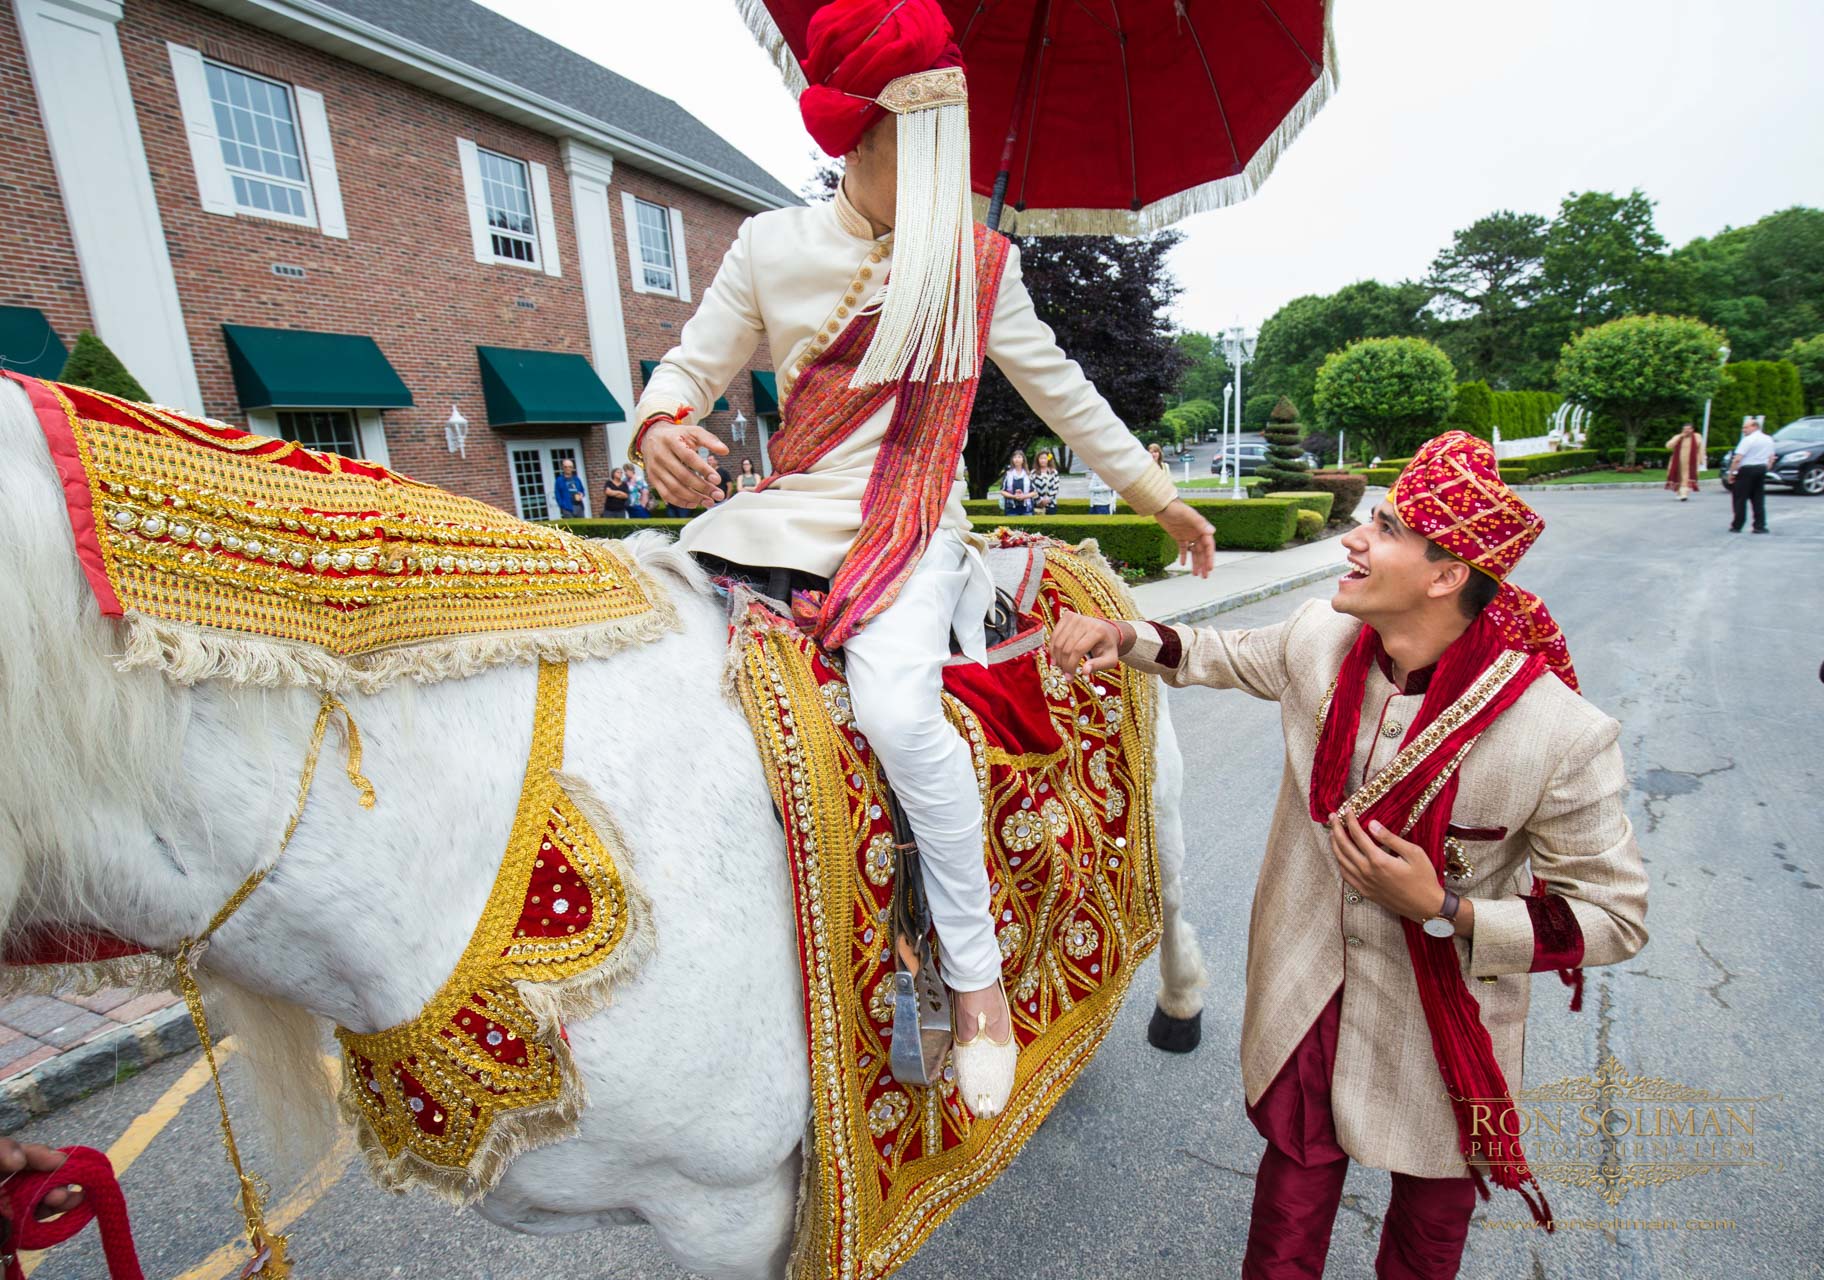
(1065, 767)
(256, 560)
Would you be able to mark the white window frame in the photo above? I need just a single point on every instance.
(215, 179)
(544, 218)
(548, 469)
(636, 266)
(370, 428)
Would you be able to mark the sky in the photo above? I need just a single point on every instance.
(1447, 111)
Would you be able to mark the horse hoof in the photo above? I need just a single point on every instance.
(1174, 1035)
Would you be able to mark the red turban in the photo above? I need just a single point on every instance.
(855, 48)
(1453, 494)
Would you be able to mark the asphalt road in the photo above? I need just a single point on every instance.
(1705, 644)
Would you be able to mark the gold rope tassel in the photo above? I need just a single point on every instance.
(269, 1247)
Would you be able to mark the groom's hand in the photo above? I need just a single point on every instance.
(1195, 536)
(1080, 645)
(674, 467)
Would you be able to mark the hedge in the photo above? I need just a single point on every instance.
(1769, 387)
(1514, 475)
(1346, 490)
(1548, 464)
(1522, 415)
(1381, 476)
(1310, 524)
(1473, 410)
(1318, 500)
(1647, 457)
(1250, 524)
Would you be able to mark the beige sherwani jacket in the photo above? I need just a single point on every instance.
(1541, 794)
(796, 276)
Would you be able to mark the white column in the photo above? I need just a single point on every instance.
(87, 108)
(590, 173)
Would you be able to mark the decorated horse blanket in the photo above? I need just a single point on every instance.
(237, 556)
(1065, 767)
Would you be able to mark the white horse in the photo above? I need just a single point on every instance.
(132, 803)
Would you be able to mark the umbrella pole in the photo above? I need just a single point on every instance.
(1035, 39)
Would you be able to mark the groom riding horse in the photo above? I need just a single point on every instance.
(880, 338)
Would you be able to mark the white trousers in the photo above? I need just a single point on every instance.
(895, 674)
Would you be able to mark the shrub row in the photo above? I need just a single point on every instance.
(1317, 501)
(1250, 524)
(1347, 490)
(1379, 476)
(1656, 457)
(1551, 464)
(1523, 414)
(1513, 475)
(1135, 542)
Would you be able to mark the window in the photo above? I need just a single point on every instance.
(536, 465)
(507, 194)
(257, 128)
(656, 263)
(325, 430)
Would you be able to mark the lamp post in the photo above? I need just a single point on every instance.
(738, 428)
(1238, 349)
(1222, 439)
(1723, 356)
(456, 432)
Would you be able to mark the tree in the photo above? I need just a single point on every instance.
(1638, 369)
(1763, 283)
(1603, 258)
(1769, 388)
(1206, 371)
(1807, 355)
(1295, 339)
(1106, 298)
(1391, 392)
(824, 180)
(1284, 466)
(1481, 283)
(1474, 410)
(93, 365)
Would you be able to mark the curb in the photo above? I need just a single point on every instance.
(1253, 595)
(103, 1061)
(1560, 488)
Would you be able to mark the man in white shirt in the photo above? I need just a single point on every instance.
(1748, 474)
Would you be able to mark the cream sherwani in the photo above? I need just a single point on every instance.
(1541, 794)
(796, 277)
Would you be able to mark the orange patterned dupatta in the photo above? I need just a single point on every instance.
(917, 462)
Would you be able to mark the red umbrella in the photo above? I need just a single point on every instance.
(1118, 116)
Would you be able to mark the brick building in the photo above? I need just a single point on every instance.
(353, 222)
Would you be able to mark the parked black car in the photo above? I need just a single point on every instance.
(1253, 456)
(1798, 457)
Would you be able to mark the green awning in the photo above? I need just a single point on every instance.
(301, 369)
(28, 344)
(646, 368)
(524, 388)
(766, 393)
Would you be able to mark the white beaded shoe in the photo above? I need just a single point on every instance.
(985, 1070)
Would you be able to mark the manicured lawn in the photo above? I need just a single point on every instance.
(1619, 477)
(1217, 482)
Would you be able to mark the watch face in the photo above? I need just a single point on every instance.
(1439, 927)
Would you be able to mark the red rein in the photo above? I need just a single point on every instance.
(102, 1201)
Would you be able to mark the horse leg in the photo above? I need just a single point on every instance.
(730, 1233)
(1177, 1024)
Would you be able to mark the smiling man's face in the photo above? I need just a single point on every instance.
(1390, 572)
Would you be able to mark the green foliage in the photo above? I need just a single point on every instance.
(1481, 284)
(1106, 298)
(1295, 340)
(1769, 387)
(1310, 525)
(1641, 368)
(1603, 258)
(1345, 489)
(1394, 392)
(1521, 415)
(1254, 413)
(1284, 466)
(1248, 524)
(1512, 475)
(1059, 451)
(1474, 410)
(1807, 356)
(1190, 420)
(93, 365)
(1317, 501)
(1205, 370)
(1380, 477)
(1550, 464)
(1763, 284)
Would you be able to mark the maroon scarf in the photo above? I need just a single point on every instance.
(1480, 663)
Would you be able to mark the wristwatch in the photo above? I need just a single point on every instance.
(1444, 924)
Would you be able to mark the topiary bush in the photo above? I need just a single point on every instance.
(1345, 489)
(1320, 501)
(1284, 466)
(1474, 410)
(1769, 387)
(93, 365)
(1138, 543)
(1521, 415)
(1310, 525)
(1381, 477)
(1513, 475)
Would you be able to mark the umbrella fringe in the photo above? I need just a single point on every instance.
(766, 33)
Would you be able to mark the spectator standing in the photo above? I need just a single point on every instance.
(749, 478)
(1101, 496)
(1045, 487)
(1016, 487)
(1748, 475)
(1686, 461)
(568, 491)
(614, 495)
(639, 493)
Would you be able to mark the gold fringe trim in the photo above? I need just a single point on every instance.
(1160, 214)
(186, 653)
